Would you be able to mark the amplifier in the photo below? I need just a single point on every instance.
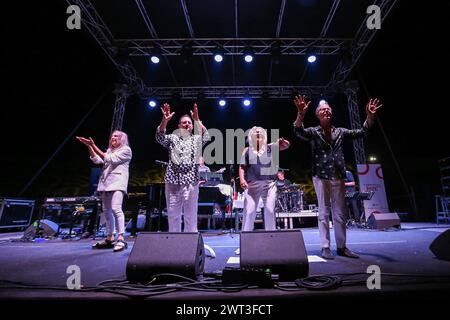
(15, 213)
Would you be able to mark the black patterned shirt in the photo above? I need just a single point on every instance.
(328, 159)
(184, 156)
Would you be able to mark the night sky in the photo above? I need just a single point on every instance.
(53, 76)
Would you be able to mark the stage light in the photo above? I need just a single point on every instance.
(248, 58)
(372, 158)
(222, 102)
(154, 59)
(152, 103)
(218, 54)
(312, 58)
(155, 54)
(248, 55)
(246, 102)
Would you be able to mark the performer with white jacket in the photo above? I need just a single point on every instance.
(112, 185)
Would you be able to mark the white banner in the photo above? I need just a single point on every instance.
(371, 179)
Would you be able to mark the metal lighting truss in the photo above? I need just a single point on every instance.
(118, 51)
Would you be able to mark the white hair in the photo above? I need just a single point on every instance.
(322, 103)
(123, 139)
(252, 132)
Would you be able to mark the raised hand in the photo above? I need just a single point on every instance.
(283, 143)
(194, 114)
(167, 115)
(372, 106)
(301, 104)
(87, 142)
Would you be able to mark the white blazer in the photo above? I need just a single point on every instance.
(115, 169)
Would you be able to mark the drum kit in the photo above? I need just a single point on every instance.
(289, 199)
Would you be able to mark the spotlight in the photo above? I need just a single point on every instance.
(248, 58)
(222, 102)
(154, 59)
(248, 55)
(155, 54)
(246, 102)
(152, 103)
(312, 58)
(373, 159)
(218, 54)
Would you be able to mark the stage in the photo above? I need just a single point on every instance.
(37, 270)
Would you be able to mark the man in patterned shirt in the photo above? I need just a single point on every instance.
(182, 175)
(329, 168)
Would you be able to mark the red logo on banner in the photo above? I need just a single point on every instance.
(365, 171)
(379, 173)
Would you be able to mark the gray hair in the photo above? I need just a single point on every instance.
(252, 131)
(321, 104)
(123, 138)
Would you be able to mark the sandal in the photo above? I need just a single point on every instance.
(105, 244)
(120, 245)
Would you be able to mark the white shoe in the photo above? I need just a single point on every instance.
(238, 251)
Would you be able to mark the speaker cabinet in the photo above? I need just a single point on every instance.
(15, 213)
(383, 220)
(441, 246)
(283, 252)
(179, 253)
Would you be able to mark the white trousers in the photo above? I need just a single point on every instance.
(267, 191)
(182, 199)
(331, 196)
(112, 211)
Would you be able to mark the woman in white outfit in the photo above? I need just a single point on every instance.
(257, 173)
(112, 185)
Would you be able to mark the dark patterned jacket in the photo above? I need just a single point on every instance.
(328, 159)
(183, 156)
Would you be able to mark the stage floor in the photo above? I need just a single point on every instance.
(396, 252)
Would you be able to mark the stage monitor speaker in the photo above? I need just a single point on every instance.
(283, 252)
(179, 253)
(383, 220)
(47, 228)
(15, 213)
(441, 246)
